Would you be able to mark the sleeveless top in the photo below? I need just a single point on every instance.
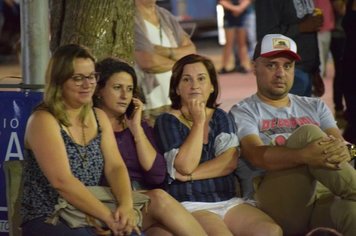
(39, 197)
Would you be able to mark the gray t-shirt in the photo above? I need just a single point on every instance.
(275, 125)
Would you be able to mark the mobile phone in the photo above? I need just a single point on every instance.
(130, 110)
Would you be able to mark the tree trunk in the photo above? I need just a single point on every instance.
(104, 26)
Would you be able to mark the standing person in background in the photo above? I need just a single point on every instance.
(201, 150)
(337, 45)
(2, 18)
(249, 23)
(349, 62)
(324, 33)
(159, 42)
(116, 94)
(235, 12)
(9, 25)
(298, 20)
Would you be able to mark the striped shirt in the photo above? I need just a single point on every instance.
(171, 133)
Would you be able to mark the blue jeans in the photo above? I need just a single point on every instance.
(302, 85)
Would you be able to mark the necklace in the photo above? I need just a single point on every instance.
(82, 156)
(186, 120)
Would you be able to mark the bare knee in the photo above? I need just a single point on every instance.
(159, 198)
(268, 229)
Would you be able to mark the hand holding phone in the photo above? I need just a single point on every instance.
(130, 111)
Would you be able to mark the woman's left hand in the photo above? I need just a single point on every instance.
(126, 216)
(135, 121)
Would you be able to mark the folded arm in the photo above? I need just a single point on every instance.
(222, 165)
(319, 153)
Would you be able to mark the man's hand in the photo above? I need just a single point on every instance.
(311, 23)
(327, 152)
(338, 152)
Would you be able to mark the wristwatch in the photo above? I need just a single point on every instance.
(352, 150)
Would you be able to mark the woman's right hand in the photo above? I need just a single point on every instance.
(126, 216)
(120, 228)
(196, 109)
(116, 227)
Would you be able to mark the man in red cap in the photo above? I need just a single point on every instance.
(295, 143)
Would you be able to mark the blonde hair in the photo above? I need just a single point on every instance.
(59, 70)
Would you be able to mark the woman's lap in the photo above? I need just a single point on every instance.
(38, 227)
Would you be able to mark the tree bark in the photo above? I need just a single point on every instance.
(104, 26)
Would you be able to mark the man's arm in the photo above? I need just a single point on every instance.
(319, 153)
(274, 16)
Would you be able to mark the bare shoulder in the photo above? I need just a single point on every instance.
(100, 113)
(41, 118)
(40, 125)
(102, 118)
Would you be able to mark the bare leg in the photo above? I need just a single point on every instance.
(241, 36)
(157, 230)
(166, 211)
(227, 51)
(245, 219)
(212, 223)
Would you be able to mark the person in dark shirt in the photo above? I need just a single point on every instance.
(349, 62)
(116, 95)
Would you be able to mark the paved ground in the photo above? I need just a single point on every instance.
(234, 86)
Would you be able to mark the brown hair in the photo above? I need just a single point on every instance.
(109, 66)
(177, 72)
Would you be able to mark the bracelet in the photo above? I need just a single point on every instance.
(352, 150)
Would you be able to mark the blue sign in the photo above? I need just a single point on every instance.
(15, 108)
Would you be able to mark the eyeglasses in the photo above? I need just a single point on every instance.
(93, 78)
